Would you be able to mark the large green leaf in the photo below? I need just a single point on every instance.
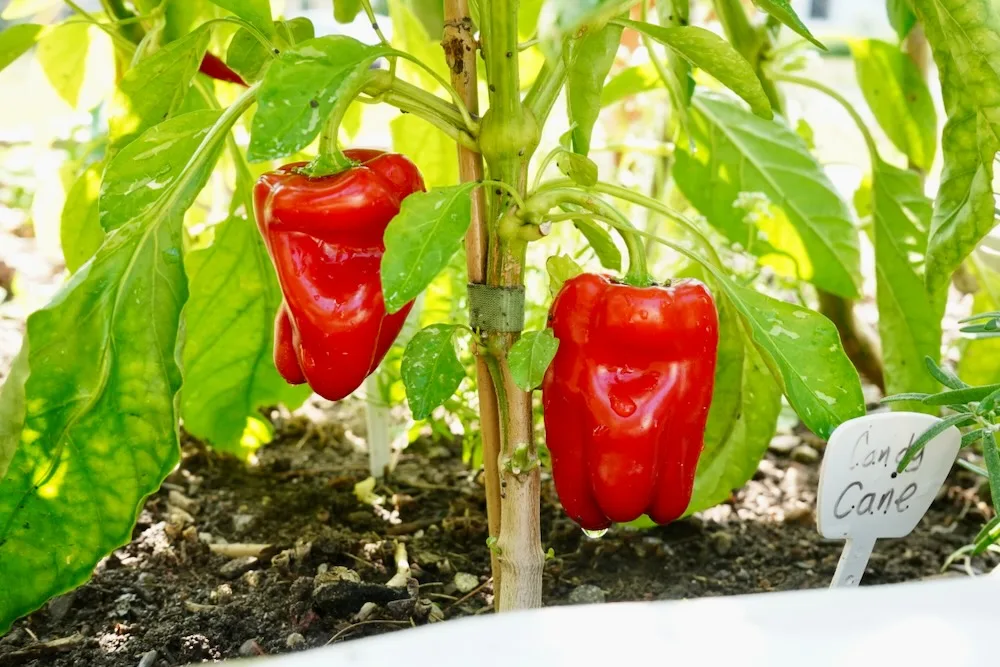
(80, 232)
(16, 41)
(249, 58)
(344, 11)
(421, 239)
(909, 317)
(745, 406)
(589, 60)
(709, 52)
(12, 407)
(980, 361)
(899, 97)
(62, 52)
(782, 10)
(155, 88)
(431, 370)
(738, 152)
(965, 38)
(100, 422)
(228, 362)
(255, 12)
(804, 353)
(302, 88)
(133, 184)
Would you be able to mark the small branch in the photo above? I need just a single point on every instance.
(353, 626)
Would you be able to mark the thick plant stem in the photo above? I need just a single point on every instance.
(460, 49)
(508, 137)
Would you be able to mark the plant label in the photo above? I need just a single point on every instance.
(861, 496)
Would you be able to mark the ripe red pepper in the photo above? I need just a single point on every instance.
(626, 398)
(324, 237)
(215, 68)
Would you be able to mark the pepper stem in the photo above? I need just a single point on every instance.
(638, 273)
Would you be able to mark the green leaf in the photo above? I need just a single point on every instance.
(434, 152)
(421, 239)
(12, 407)
(980, 361)
(155, 88)
(628, 82)
(804, 353)
(302, 88)
(706, 50)
(16, 40)
(228, 365)
(899, 97)
(344, 11)
(600, 240)
(17, 9)
(781, 10)
(961, 396)
(255, 12)
(589, 60)
(745, 404)
(61, 51)
(909, 317)
(738, 152)
(991, 454)
(100, 429)
(901, 17)
(249, 58)
(579, 168)
(180, 17)
(530, 357)
(943, 375)
(134, 181)
(431, 370)
(560, 269)
(934, 431)
(965, 38)
(80, 232)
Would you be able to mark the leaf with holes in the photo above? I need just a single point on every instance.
(431, 370)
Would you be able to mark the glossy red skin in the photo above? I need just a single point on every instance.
(626, 398)
(324, 236)
(215, 68)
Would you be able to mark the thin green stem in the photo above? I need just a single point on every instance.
(470, 124)
(647, 202)
(115, 36)
(371, 18)
(840, 99)
(253, 30)
(410, 98)
(524, 46)
(546, 161)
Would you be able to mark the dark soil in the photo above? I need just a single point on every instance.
(330, 553)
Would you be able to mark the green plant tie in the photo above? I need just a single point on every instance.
(496, 309)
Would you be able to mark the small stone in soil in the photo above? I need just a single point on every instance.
(237, 566)
(241, 522)
(148, 658)
(783, 444)
(586, 594)
(805, 454)
(60, 606)
(337, 573)
(347, 597)
(250, 648)
(367, 609)
(722, 542)
(295, 640)
(465, 582)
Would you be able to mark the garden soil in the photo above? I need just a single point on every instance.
(230, 560)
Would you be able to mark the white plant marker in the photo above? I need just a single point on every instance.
(862, 498)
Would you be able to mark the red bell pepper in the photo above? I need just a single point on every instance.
(324, 237)
(215, 68)
(626, 398)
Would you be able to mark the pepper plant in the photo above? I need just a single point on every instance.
(139, 338)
